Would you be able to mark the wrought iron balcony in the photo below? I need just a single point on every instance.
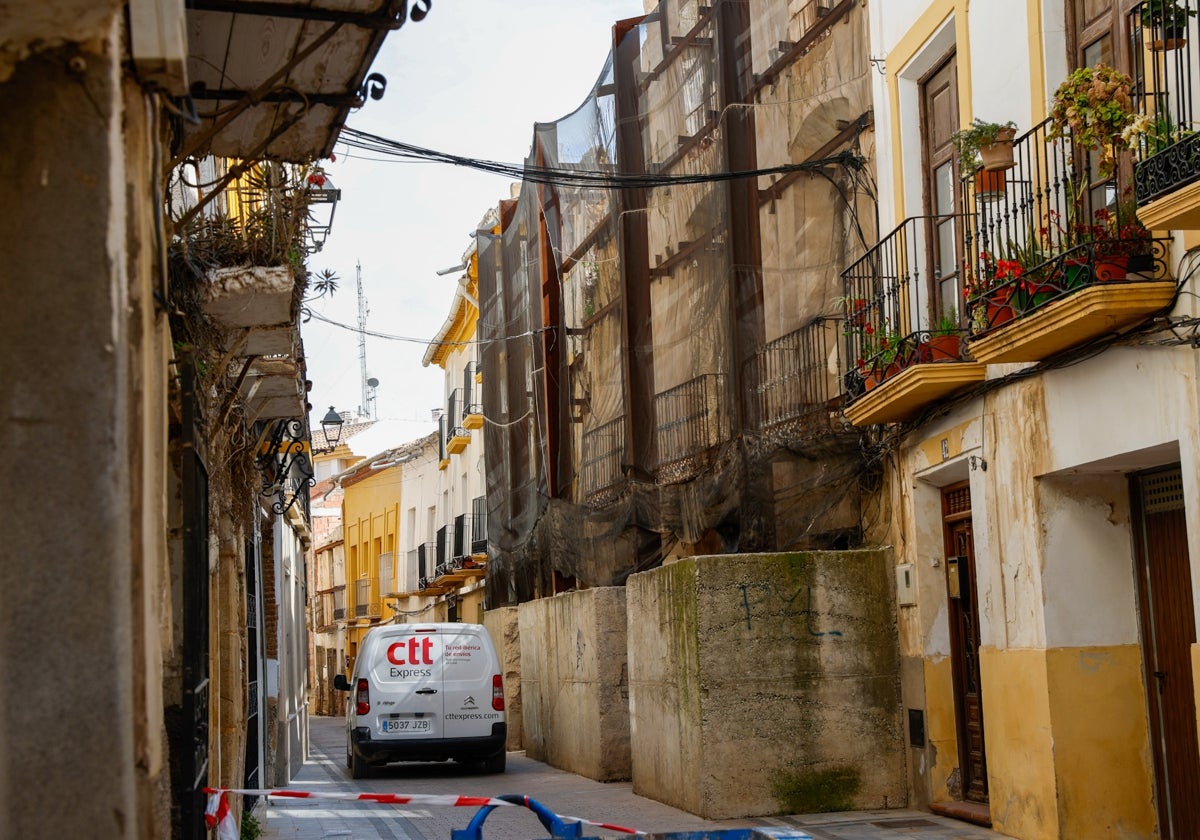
(1165, 74)
(1053, 238)
(901, 323)
(790, 383)
(362, 597)
(600, 464)
(462, 533)
(690, 419)
(445, 542)
(479, 525)
(426, 559)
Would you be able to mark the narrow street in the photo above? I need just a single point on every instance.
(564, 793)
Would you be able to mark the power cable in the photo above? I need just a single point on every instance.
(551, 176)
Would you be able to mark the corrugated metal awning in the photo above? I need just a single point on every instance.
(278, 78)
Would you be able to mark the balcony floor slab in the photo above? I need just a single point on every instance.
(1081, 317)
(903, 395)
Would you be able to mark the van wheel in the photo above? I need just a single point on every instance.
(359, 769)
(495, 763)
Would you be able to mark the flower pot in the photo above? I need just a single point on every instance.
(999, 155)
(857, 317)
(1076, 273)
(999, 308)
(990, 184)
(1033, 294)
(1173, 38)
(1141, 264)
(944, 348)
(1112, 267)
(878, 375)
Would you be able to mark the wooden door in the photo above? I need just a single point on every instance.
(965, 641)
(1168, 633)
(939, 121)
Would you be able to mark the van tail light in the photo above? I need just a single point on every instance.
(362, 698)
(498, 692)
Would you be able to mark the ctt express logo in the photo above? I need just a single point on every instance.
(411, 652)
(396, 652)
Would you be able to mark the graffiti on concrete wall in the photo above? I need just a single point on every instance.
(781, 602)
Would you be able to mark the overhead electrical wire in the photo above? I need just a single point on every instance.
(317, 316)
(565, 176)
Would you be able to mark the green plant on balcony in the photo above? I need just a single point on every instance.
(984, 143)
(1094, 108)
(989, 291)
(944, 344)
(1166, 16)
(946, 324)
(878, 352)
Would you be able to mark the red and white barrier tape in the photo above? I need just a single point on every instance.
(406, 799)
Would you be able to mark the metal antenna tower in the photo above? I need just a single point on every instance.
(364, 408)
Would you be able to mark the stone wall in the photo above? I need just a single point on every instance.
(768, 683)
(502, 626)
(573, 682)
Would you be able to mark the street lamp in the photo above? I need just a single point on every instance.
(323, 197)
(331, 425)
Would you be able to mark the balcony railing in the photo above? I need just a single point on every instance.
(689, 421)
(1164, 72)
(339, 603)
(479, 525)
(462, 529)
(789, 380)
(600, 466)
(887, 292)
(362, 597)
(1052, 229)
(454, 413)
(412, 570)
(426, 559)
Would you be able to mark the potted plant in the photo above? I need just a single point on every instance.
(989, 291)
(854, 309)
(1094, 108)
(878, 354)
(1120, 242)
(945, 343)
(984, 143)
(1168, 21)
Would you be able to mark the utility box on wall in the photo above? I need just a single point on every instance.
(767, 683)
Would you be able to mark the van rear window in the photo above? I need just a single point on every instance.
(465, 657)
(410, 658)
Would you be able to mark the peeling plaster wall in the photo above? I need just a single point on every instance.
(1061, 660)
(49, 25)
(83, 349)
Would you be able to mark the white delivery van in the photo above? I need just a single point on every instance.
(425, 692)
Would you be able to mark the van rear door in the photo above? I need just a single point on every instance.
(406, 685)
(468, 666)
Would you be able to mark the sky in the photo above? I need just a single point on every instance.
(471, 78)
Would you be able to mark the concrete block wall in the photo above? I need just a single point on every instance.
(764, 684)
(502, 626)
(574, 682)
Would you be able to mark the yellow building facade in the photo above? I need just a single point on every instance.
(1042, 504)
(370, 523)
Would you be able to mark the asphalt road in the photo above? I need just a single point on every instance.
(562, 792)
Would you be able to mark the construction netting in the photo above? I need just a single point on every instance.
(659, 333)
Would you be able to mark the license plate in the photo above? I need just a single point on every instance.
(406, 726)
